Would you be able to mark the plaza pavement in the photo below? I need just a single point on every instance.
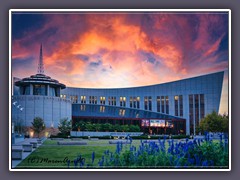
(18, 145)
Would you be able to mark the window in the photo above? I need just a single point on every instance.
(138, 102)
(131, 102)
(122, 101)
(92, 99)
(196, 96)
(176, 98)
(112, 101)
(162, 104)
(82, 107)
(63, 96)
(202, 111)
(191, 114)
(145, 103)
(158, 103)
(181, 105)
(196, 111)
(167, 105)
(102, 100)
(121, 112)
(39, 89)
(148, 103)
(26, 90)
(135, 102)
(74, 99)
(83, 99)
(102, 109)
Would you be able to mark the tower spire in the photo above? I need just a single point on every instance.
(40, 63)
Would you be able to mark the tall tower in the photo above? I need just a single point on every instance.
(40, 63)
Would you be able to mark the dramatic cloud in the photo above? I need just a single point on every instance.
(120, 49)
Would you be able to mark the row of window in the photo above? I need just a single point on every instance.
(134, 102)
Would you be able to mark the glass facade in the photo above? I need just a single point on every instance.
(52, 91)
(39, 89)
(25, 90)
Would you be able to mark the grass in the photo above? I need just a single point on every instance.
(51, 155)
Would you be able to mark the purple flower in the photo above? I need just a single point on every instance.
(93, 157)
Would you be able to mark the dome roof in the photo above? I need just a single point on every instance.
(40, 79)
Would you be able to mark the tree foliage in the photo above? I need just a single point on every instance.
(38, 125)
(65, 126)
(88, 126)
(214, 123)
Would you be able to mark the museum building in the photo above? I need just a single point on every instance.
(169, 108)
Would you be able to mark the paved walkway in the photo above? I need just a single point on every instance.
(18, 145)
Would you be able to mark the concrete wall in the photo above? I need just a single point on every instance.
(51, 109)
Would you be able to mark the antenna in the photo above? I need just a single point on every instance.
(40, 63)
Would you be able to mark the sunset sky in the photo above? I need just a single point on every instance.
(121, 49)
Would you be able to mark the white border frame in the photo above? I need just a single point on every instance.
(117, 10)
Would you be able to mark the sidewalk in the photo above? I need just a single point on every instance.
(18, 145)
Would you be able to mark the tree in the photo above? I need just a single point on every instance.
(38, 125)
(134, 128)
(214, 123)
(90, 127)
(125, 128)
(65, 126)
(80, 126)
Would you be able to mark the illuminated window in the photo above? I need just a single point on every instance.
(121, 112)
(83, 99)
(122, 101)
(83, 107)
(63, 96)
(102, 109)
(102, 100)
(176, 104)
(138, 102)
